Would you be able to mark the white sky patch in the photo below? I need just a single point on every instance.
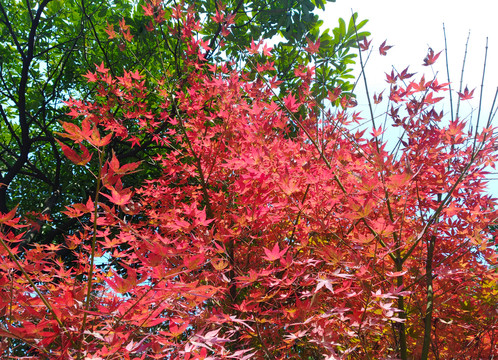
(413, 27)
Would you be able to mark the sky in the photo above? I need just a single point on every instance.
(414, 26)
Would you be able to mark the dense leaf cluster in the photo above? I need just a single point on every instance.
(225, 215)
(45, 49)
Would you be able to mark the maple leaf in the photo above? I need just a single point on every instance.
(76, 210)
(73, 132)
(334, 95)
(466, 95)
(386, 309)
(391, 79)
(201, 220)
(135, 141)
(267, 50)
(175, 330)
(111, 243)
(290, 103)
(218, 17)
(101, 68)
(377, 132)
(52, 247)
(98, 141)
(383, 48)
(324, 282)
(122, 25)
(110, 31)
(348, 102)
(365, 44)
(150, 26)
(313, 47)
(230, 19)
(121, 170)
(7, 217)
(378, 98)
(119, 198)
(127, 35)
(429, 99)
(194, 261)
(405, 75)
(91, 76)
(455, 128)
(422, 85)
(122, 285)
(437, 87)
(430, 58)
(275, 253)
(72, 155)
(148, 10)
(254, 49)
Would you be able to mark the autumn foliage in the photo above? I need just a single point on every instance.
(274, 231)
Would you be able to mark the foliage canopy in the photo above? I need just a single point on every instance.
(46, 48)
(265, 227)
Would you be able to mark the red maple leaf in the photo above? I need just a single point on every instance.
(267, 50)
(378, 98)
(254, 49)
(110, 31)
(431, 58)
(121, 170)
(7, 217)
(365, 44)
(148, 10)
(218, 17)
(72, 155)
(149, 26)
(122, 25)
(313, 47)
(383, 48)
(391, 79)
(466, 95)
(127, 35)
(405, 75)
(101, 68)
(348, 102)
(275, 253)
(91, 76)
(119, 198)
(334, 95)
(290, 103)
(377, 132)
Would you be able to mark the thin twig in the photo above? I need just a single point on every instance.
(480, 95)
(448, 72)
(461, 76)
(364, 78)
(491, 113)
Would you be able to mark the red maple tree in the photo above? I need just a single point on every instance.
(257, 240)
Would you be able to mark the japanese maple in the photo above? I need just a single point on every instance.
(274, 230)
